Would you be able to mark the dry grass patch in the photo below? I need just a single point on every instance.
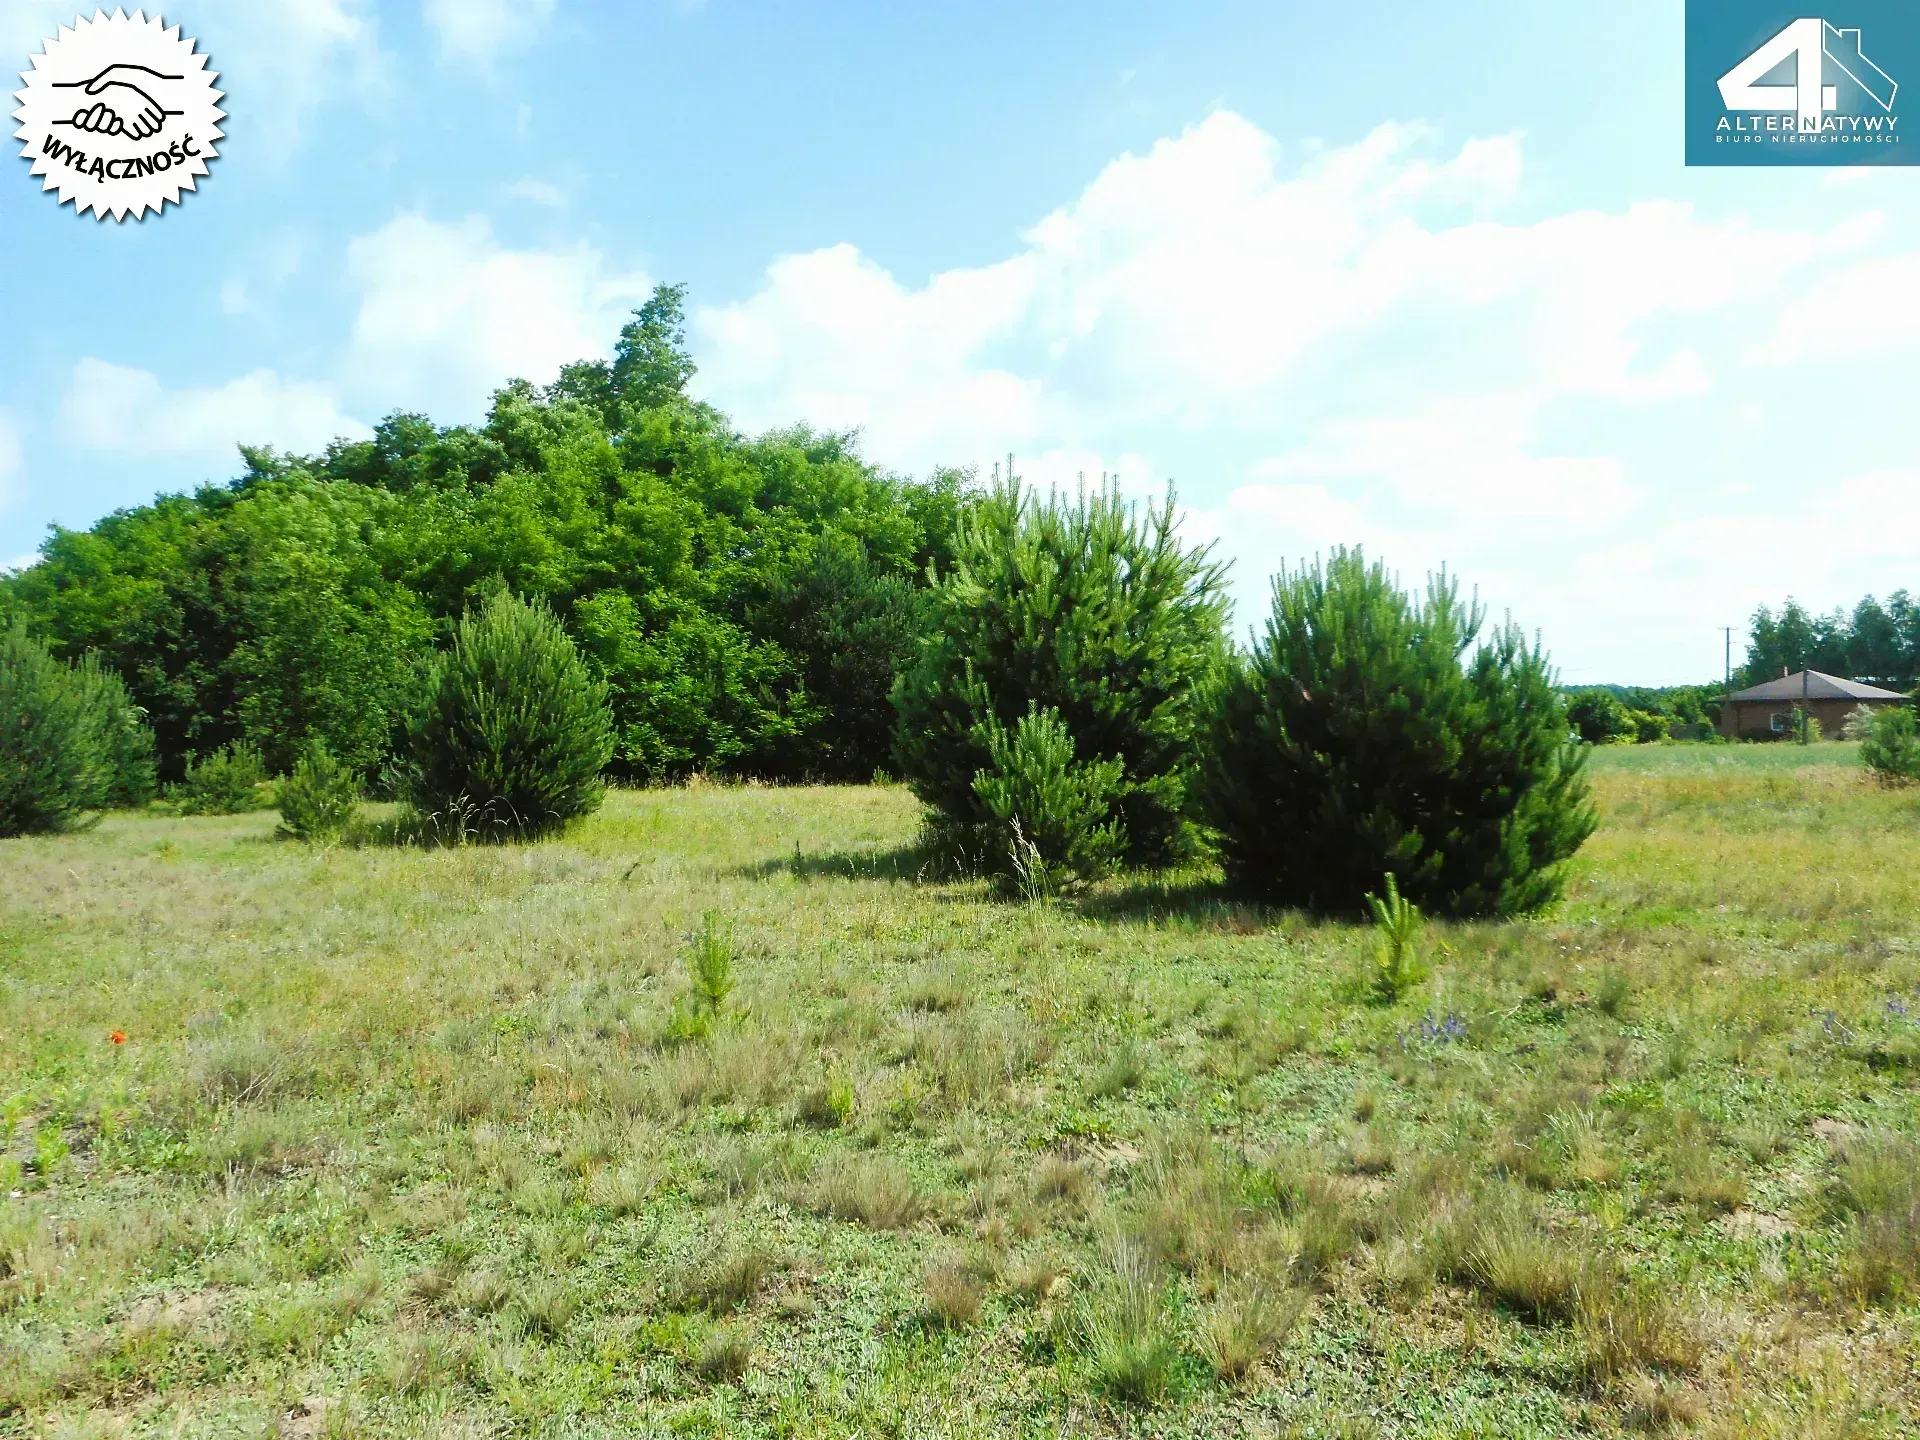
(726, 1352)
(1245, 1324)
(874, 1190)
(955, 1291)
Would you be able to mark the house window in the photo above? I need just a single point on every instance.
(1781, 723)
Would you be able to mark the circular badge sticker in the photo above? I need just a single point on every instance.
(119, 115)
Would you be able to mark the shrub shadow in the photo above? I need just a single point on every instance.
(898, 862)
(1200, 900)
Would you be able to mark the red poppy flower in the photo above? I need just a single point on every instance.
(118, 1037)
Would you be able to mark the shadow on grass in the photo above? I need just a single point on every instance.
(1190, 899)
(1194, 899)
(898, 862)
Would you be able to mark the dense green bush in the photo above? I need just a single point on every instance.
(1353, 742)
(1890, 748)
(1052, 817)
(227, 782)
(749, 600)
(511, 732)
(54, 763)
(1598, 716)
(1082, 610)
(319, 798)
(1648, 728)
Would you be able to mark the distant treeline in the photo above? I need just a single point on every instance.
(1878, 643)
(747, 601)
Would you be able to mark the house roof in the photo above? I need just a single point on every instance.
(1816, 687)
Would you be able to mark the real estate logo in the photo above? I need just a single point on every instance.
(1770, 85)
(119, 115)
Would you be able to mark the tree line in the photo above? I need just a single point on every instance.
(607, 579)
(1875, 642)
(747, 601)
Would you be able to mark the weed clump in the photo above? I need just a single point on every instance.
(726, 1353)
(954, 1292)
(1628, 1326)
(1124, 1067)
(874, 1190)
(420, 1362)
(723, 1280)
(1248, 1322)
(825, 1106)
(545, 1308)
(1127, 1327)
(1878, 1188)
(1532, 1273)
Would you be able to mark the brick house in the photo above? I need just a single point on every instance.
(1768, 711)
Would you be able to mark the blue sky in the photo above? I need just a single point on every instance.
(1430, 278)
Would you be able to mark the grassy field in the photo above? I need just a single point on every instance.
(439, 1143)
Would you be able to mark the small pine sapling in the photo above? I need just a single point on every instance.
(1398, 961)
(709, 959)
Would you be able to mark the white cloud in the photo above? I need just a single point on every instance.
(835, 339)
(1854, 310)
(447, 314)
(1363, 347)
(1195, 284)
(120, 409)
(477, 32)
(1472, 456)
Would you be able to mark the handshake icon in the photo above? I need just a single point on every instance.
(121, 106)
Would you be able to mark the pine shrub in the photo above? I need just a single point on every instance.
(1051, 817)
(1091, 615)
(1890, 746)
(55, 763)
(511, 732)
(319, 799)
(124, 735)
(227, 782)
(1354, 742)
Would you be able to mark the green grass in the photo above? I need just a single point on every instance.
(1745, 758)
(405, 1142)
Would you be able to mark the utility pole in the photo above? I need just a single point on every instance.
(1726, 703)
